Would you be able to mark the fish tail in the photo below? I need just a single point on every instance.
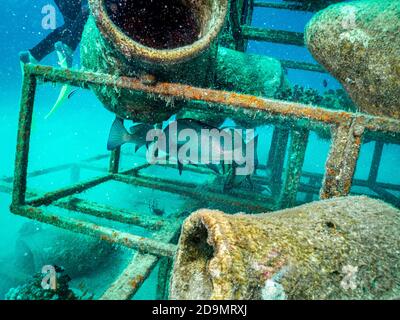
(118, 135)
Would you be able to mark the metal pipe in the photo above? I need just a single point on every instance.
(141, 244)
(342, 160)
(23, 138)
(297, 152)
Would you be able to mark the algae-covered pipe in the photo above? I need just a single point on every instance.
(163, 40)
(341, 248)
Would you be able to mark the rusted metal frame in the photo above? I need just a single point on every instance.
(171, 234)
(373, 123)
(296, 156)
(164, 271)
(274, 36)
(243, 194)
(283, 6)
(235, 24)
(49, 197)
(313, 187)
(191, 190)
(84, 165)
(342, 160)
(141, 266)
(247, 197)
(136, 170)
(91, 167)
(192, 168)
(41, 172)
(272, 149)
(376, 193)
(115, 160)
(386, 195)
(278, 160)
(302, 66)
(116, 214)
(129, 240)
(230, 100)
(376, 160)
(313, 183)
(132, 278)
(23, 139)
(246, 19)
(356, 182)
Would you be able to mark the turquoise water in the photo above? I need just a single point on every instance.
(79, 131)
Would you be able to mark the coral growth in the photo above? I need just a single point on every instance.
(33, 289)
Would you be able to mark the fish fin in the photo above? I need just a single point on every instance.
(64, 93)
(117, 135)
(139, 145)
(72, 93)
(180, 167)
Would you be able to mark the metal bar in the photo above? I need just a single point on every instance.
(229, 99)
(144, 245)
(274, 36)
(23, 139)
(50, 197)
(386, 196)
(272, 149)
(236, 25)
(165, 266)
(310, 194)
(284, 6)
(234, 103)
(342, 160)
(84, 164)
(191, 190)
(297, 152)
(141, 266)
(115, 160)
(103, 211)
(356, 182)
(41, 172)
(132, 278)
(302, 66)
(278, 161)
(376, 160)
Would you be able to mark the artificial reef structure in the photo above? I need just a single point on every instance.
(341, 248)
(155, 48)
(358, 42)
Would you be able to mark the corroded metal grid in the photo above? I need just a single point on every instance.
(241, 15)
(348, 131)
(290, 120)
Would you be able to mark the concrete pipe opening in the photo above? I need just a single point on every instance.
(193, 275)
(165, 31)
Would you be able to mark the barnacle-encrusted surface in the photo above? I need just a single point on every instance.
(342, 248)
(359, 43)
(107, 49)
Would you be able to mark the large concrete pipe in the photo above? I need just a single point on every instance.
(166, 40)
(341, 248)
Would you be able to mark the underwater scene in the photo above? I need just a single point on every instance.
(200, 150)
